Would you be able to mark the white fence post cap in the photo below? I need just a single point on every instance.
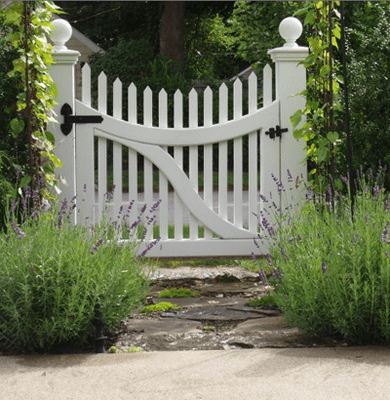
(61, 33)
(290, 30)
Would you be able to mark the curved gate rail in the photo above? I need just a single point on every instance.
(216, 228)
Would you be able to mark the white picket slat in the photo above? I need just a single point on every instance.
(117, 150)
(86, 84)
(163, 182)
(267, 85)
(223, 155)
(102, 147)
(178, 156)
(237, 114)
(132, 104)
(208, 155)
(253, 189)
(193, 155)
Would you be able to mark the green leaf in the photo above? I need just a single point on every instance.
(296, 117)
(50, 137)
(17, 127)
(325, 70)
(332, 136)
(25, 181)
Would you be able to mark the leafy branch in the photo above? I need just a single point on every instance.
(28, 25)
(323, 111)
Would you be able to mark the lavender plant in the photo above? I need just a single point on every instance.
(331, 264)
(53, 274)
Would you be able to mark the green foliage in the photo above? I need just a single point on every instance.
(163, 306)
(322, 127)
(134, 62)
(176, 292)
(265, 301)
(53, 275)
(368, 45)
(26, 25)
(332, 267)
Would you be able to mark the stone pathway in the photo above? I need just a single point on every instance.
(216, 319)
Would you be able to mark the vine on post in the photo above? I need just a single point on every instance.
(28, 23)
(323, 111)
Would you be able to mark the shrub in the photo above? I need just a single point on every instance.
(53, 275)
(331, 264)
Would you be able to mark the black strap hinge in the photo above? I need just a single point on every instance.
(70, 119)
(275, 132)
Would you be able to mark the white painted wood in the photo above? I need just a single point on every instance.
(132, 157)
(253, 210)
(102, 148)
(148, 166)
(223, 153)
(86, 84)
(184, 189)
(152, 142)
(208, 155)
(163, 182)
(102, 93)
(190, 136)
(178, 156)
(193, 154)
(237, 114)
(267, 85)
(205, 248)
(117, 151)
(252, 93)
(132, 103)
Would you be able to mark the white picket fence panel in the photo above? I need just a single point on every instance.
(111, 149)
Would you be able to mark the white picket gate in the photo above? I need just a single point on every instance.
(227, 228)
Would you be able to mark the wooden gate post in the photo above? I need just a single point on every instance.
(290, 77)
(62, 72)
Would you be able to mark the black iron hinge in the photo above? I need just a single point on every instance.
(275, 132)
(70, 119)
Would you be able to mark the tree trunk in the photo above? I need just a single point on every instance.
(172, 31)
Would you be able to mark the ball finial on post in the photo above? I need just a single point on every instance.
(61, 33)
(290, 30)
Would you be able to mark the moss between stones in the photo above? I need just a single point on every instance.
(163, 306)
(265, 301)
(176, 292)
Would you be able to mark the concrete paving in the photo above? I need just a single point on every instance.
(270, 374)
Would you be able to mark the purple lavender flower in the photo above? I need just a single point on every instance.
(262, 197)
(271, 231)
(155, 206)
(265, 223)
(269, 261)
(376, 191)
(385, 232)
(27, 191)
(299, 237)
(323, 267)
(289, 176)
(344, 179)
(148, 248)
(143, 208)
(276, 273)
(283, 252)
(319, 235)
(355, 239)
(134, 224)
(262, 276)
(330, 193)
(95, 248)
(254, 259)
(291, 239)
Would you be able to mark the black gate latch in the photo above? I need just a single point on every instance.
(69, 119)
(275, 132)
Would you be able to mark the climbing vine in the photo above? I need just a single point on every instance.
(322, 128)
(28, 24)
